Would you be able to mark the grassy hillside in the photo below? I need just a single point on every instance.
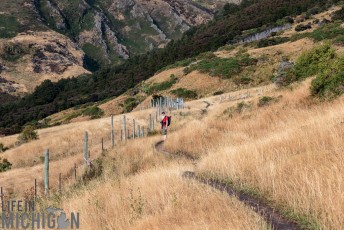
(111, 82)
(277, 137)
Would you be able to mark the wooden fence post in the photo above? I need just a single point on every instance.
(138, 131)
(86, 148)
(102, 144)
(75, 171)
(1, 194)
(46, 172)
(124, 127)
(60, 183)
(143, 131)
(35, 188)
(133, 128)
(150, 122)
(112, 133)
(128, 134)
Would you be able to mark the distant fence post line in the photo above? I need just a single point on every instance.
(46, 172)
(86, 148)
(112, 133)
(124, 127)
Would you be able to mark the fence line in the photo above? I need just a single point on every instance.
(160, 105)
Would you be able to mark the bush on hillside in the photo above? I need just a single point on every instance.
(266, 100)
(311, 63)
(94, 112)
(223, 67)
(156, 87)
(338, 15)
(184, 93)
(2, 148)
(272, 41)
(330, 83)
(5, 165)
(302, 27)
(129, 104)
(28, 134)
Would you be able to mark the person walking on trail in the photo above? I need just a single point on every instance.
(164, 124)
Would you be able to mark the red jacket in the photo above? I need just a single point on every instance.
(164, 122)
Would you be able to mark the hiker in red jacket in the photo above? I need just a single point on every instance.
(164, 124)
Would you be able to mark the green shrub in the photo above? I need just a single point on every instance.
(330, 31)
(9, 26)
(243, 80)
(94, 112)
(223, 67)
(239, 108)
(5, 165)
(338, 15)
(311, 63)
(13, 51)
(327, 31)
(266, 100)
(184, 93)
(330, 82)
(272, 41)
(28, 134)
(218, 93)
(129, 104)
(2, 148)
(182, 63)
(302, 27)
(156, 87)
(206, 55)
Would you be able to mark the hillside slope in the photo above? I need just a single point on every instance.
(114, 81)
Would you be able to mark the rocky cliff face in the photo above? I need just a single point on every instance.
(111, 30)
(54, 39)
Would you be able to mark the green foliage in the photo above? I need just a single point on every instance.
(206, 55)
(330, 31)
(218, 93)
(330, 82)
(129, 104)
(302, 27)
(339, 14)
(2, 148)
(272, 41)
(13, 51)
(266, 100)
(223, 67)
(156, 87)
(239, 108)
(312, 62)
(184, 93)
(182, 63)
(243, 80)
(9, 26)
(5, 165)
(28, 134)
(93, 111)
(324, 63)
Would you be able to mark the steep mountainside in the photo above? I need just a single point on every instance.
(110, 30)
(50, 39)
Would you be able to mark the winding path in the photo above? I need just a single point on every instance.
(271, 215)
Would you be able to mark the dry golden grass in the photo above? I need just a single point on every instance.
(159, 199)
(291, 151)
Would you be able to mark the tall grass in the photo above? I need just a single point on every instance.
(291, 151)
